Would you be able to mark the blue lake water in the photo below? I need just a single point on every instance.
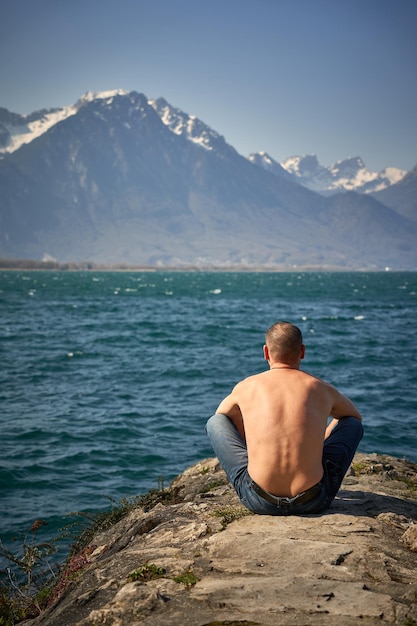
(107, 378)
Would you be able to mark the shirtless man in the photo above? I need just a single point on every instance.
(271, 434)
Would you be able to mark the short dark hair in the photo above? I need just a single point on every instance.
(284, 341)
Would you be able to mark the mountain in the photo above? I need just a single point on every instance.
(262, 159)
(402, 197)
(347, 175)
(119, 178)
(17, 130)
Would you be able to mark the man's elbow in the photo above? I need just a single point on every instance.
(357, 414)
(354, 414)
(347, 411)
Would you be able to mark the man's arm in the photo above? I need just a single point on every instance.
(330, 427)
(230, 407)
(342, 407)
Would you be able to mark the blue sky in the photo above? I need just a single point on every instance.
(336, 78)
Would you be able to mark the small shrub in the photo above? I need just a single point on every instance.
(96, 522)
(231, 513)
(32, 581)
(148, 571)
(160, 496)
(358, 468)
(71, 571)
(86, 525)
(26, 584)
(212, 484)
(409, 481)
(187, 578)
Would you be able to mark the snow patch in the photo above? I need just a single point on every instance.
(25, 133)
(349, 174)
(89, 96)
(181, 123)
(28, 131)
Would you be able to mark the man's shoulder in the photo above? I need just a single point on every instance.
(316, 380)
(250, 380)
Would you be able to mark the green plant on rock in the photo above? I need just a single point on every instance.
(72, 570)
(189, 579)
(32, 581)
(231, 513)
(358, 468)
(212, 484)
(9, 611)
(409, 482)
(148, 571)
(86, 525)
(407, 476)
(169, 495)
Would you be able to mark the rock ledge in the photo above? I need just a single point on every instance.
(206, 561)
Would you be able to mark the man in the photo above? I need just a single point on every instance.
(271, 435)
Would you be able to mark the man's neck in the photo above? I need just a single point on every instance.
(284, 366)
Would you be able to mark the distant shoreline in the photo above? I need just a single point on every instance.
(83, 266)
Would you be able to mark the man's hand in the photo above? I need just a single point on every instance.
(330, 428)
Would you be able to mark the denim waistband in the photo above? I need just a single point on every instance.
(300, 498)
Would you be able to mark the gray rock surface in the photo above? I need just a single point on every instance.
(203, 560)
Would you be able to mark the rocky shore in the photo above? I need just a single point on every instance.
(198, 558)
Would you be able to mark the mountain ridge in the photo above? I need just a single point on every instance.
(16, 129)
(350, 174)
(113, 183)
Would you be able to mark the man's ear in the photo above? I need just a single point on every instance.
(303, 351)
(266, 353)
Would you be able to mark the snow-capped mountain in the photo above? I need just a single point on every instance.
(16, 130)
(306, 168)
(347, 175)
(267, 162)
(188, 126)
(401, 197)
(119, 178)
(351, 174)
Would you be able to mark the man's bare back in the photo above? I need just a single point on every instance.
(282, 414)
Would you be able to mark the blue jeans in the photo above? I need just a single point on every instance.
(338, 451)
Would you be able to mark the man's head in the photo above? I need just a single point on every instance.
(284, 344)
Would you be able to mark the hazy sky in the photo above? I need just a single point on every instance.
(336, 78)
